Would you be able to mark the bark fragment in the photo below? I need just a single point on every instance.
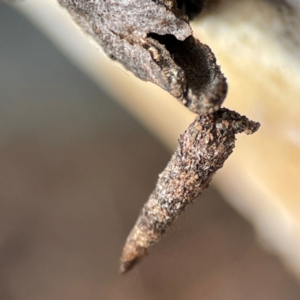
(153, 39)
(202, 150)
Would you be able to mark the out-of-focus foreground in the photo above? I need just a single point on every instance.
(75, 170)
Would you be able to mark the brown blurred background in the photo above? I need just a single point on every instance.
(75, 169)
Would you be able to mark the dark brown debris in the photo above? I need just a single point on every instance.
(202, 150)
(192, 8)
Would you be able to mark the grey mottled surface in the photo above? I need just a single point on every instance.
(153, 39)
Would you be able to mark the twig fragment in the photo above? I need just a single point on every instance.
(202, 150)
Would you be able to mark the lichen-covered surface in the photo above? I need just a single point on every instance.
(153, 39)
(202, 150)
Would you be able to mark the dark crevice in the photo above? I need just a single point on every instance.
(192, 8)
(188, 57)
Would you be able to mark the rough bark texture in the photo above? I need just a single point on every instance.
(202, 150)
(153, 39)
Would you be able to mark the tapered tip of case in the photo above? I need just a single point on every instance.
(131, 259)
(125, 267)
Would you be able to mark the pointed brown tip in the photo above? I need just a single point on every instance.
(125, 267)
(129, 260)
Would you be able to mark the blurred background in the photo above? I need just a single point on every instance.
(76, 168)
